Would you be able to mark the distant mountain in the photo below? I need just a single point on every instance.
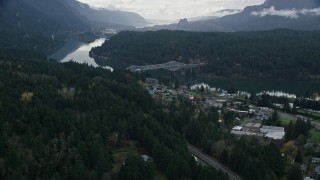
(107, 16)
(58, 15)
(28, 27)
(202, 18)
(39, 16)
(272, 14)
(215, 15)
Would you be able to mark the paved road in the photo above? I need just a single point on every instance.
(212, 162)
(294, 117)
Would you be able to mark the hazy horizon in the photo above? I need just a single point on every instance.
(172, 10)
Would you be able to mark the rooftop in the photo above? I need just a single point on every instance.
(275, 135)
(247, 133)
(237, 128)
(266, 129)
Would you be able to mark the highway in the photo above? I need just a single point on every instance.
(212, 162)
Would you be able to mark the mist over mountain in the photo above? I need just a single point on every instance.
(107, 16)
(272, 14)
(58, 15)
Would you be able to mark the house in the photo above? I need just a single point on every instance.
(275, 135)
(315, 160)
(301, 118)
(270, 129)
(237, 128)
(317, 171)
(195, 98)
(152, 81)
(213, 103)
(308, 178)
(237, 103)
(249, 129)
(252, 125)
(238, 111)
(245, 133)
(261, 116)
(147, 158)
(263, 108)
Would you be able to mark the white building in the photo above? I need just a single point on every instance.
(273, 132)
(237, 128)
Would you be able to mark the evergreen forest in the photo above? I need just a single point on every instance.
(64, 121)
(276, 54)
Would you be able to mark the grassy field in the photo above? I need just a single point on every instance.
(244, 119)
(285, 120)
(159, 176)
(314, 136)
(196, 94)
(120, 155)
(131, 148)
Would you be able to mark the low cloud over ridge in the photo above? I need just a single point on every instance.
(288, 13)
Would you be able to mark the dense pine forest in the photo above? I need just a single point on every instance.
(277, 54)
(68, 121)
(65, 121)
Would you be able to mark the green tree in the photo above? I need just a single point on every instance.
(224, 157)
(294, 172)
(298, 157)
(232, 90)
(176, 83)
(136, 168)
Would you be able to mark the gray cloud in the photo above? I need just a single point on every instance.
(288, 13)
(173, 9)
(312, 12)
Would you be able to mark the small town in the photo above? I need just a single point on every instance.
(249, 119)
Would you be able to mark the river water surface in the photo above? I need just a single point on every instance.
(78, 52)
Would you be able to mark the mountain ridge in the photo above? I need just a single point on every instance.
(106, 16)
(272, 14)
(47, 15)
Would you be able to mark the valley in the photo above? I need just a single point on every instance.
(97, 91)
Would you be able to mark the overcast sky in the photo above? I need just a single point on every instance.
(173, 9)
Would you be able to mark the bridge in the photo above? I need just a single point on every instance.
(171, 66)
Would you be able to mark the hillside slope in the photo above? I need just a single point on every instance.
(65, 121)
(277, 54)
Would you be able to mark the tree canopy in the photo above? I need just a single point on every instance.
(277, 54)
(62, 121)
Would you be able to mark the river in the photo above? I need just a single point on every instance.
(78, 52)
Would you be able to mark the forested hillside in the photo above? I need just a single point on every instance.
(278, 54)
(64, 121)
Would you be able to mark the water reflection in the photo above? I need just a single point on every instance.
(207, 87)
(81, 54)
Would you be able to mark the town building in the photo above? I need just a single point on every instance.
(273, 132)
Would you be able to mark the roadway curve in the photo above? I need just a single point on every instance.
(212, 162)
